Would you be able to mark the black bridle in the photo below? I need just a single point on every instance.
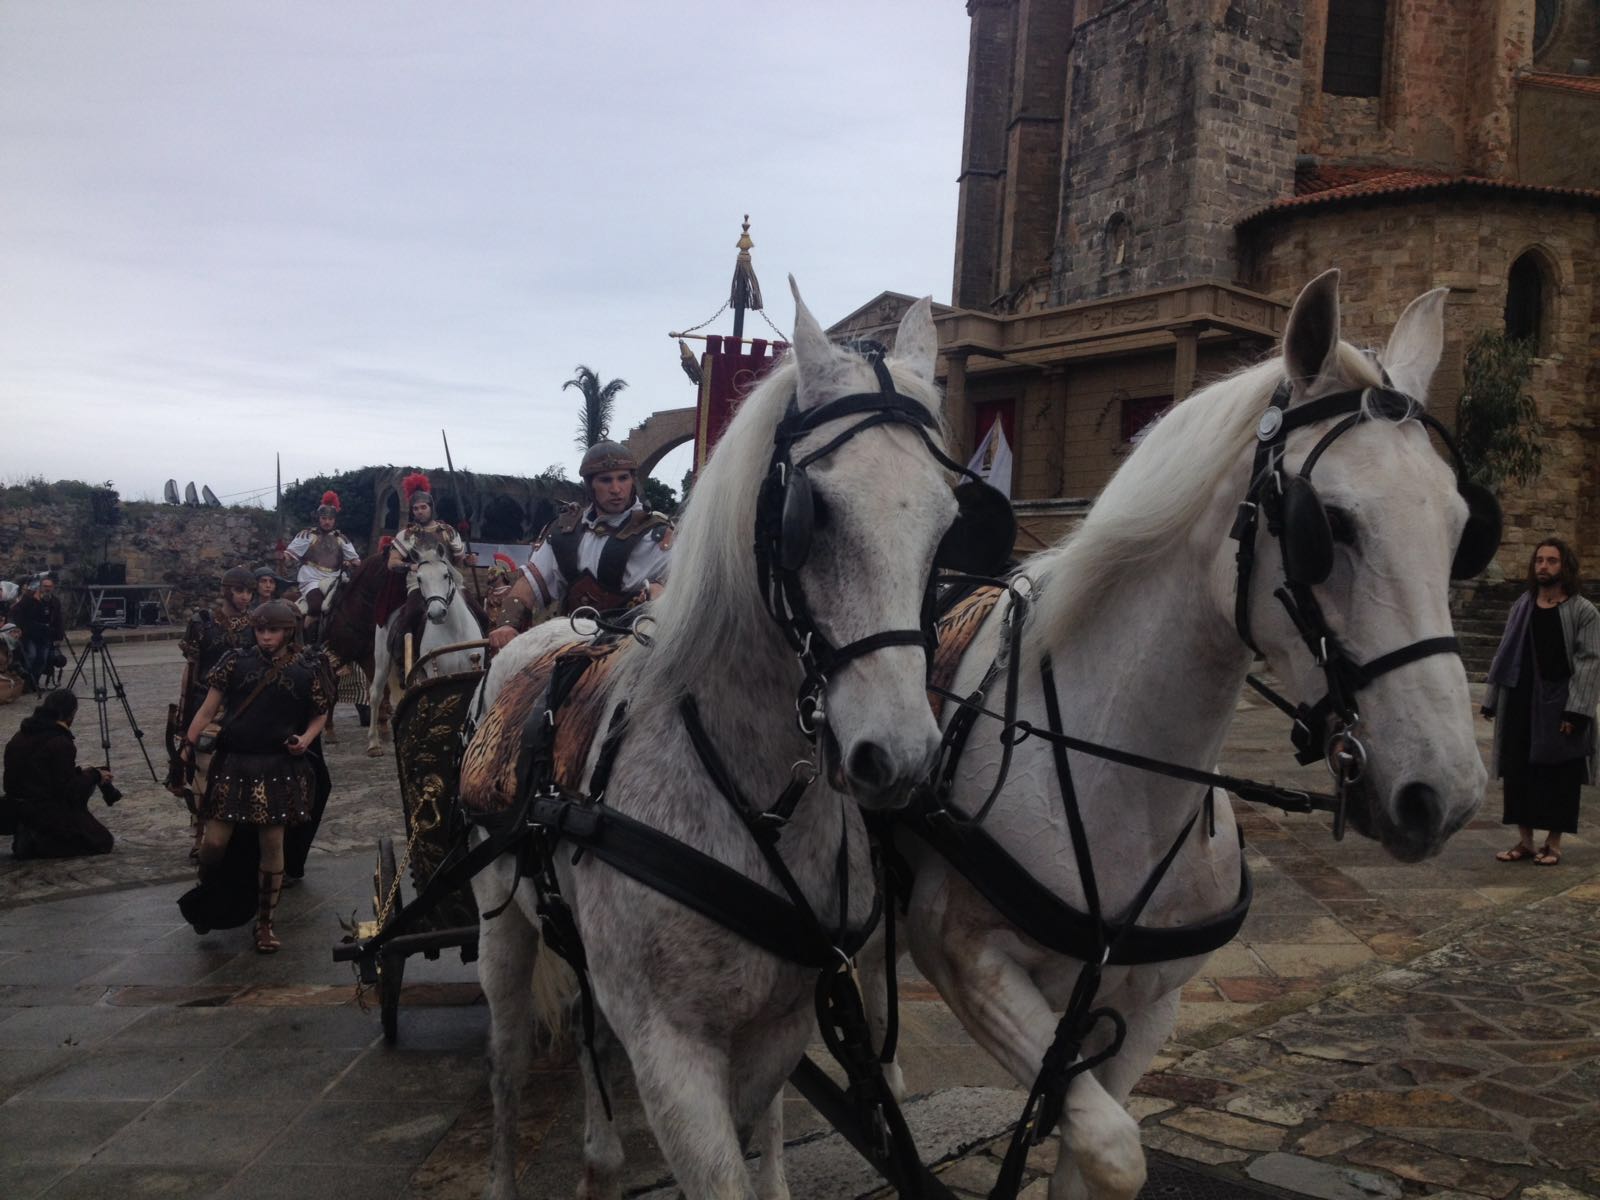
(1284, 499)
(782, 533)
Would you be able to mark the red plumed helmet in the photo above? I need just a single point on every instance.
(385, 542)
(505, 558)
(414, 483)
(330, 500)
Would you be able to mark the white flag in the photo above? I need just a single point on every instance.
(992, 462)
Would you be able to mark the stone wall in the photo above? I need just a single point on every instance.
(1181, 115)
(186, 548)
(1392, 252)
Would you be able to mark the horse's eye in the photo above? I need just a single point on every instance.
(1342, 525)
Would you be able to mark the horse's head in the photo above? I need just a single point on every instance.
(854, 511)
(1371, 525)
(437, 582)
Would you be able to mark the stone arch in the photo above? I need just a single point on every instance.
(658, 434)
(1532, 285)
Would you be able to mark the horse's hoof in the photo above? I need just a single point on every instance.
(374, 751)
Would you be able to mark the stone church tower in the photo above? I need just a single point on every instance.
(1146, 184)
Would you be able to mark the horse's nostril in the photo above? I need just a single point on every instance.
(1416, 809)
(871, 766)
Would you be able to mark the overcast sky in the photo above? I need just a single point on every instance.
(230, 229)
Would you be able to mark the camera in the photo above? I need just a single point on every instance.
(109, 793)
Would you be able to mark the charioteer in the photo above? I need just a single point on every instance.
(610, 555)
(322, 555)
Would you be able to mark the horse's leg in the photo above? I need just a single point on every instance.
(378, 690)
(602, 1148)
(507, 947)
(684, 1085)
(1148, 1027)
(770, 1181)
(997, 1001)
(875, 974)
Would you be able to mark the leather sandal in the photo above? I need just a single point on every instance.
(1517, 853)
(1547, 857)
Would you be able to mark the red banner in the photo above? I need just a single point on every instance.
(728, 373)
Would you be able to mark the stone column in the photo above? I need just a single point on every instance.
(1184, 361)
(957, 411)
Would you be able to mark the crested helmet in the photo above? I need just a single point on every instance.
(416, 487)
(330, 505)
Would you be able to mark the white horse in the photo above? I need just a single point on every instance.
(712, 1025)
(1137, 612)
(450, 623)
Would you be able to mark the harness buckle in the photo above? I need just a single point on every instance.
(1346, 756)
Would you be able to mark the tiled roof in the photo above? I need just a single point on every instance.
(1389, 182)
(1320, 177)
(1587, 84)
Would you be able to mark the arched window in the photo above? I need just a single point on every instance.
(1352, 58)
(1527, 300)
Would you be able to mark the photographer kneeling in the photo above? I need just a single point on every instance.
(47, 793)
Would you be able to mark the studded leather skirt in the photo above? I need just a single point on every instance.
(259, 789)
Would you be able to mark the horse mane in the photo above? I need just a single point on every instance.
(1161, 490)
(711, 600)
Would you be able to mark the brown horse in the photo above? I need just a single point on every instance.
(349, 621)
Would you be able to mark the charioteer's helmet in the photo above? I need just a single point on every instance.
(329, 506)
(501, 569)
(238, 577)
(418, 491)
(607, 456)
(275, 614)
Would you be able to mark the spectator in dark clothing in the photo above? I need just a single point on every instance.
(47, 793)
(38, 615)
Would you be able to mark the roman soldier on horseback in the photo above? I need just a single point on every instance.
(322, 554)
(609, 555)
(424, 537)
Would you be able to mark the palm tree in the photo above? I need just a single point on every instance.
(594, 418)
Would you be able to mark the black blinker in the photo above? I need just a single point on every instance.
(1307, 539)
(980, 540)
(1481, 537)
(799, 519)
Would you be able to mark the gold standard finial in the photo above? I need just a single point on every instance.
(746, 291)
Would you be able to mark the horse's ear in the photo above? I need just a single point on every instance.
(1416, 344)
(916, 345)
(815, 358)
(1311, 337)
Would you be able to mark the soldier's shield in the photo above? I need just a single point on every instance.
(429, 731)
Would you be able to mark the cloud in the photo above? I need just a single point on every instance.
(228, 231)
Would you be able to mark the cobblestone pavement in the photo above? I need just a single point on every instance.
(150, 825)
(1376, 1030)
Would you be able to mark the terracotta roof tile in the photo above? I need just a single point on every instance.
(1390, 182)
(1587, 84)
(1323, 176)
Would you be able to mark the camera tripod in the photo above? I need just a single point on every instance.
(103, 671)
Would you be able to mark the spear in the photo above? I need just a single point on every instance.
(461, 508)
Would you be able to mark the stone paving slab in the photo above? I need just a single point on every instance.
(1372, 1020)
